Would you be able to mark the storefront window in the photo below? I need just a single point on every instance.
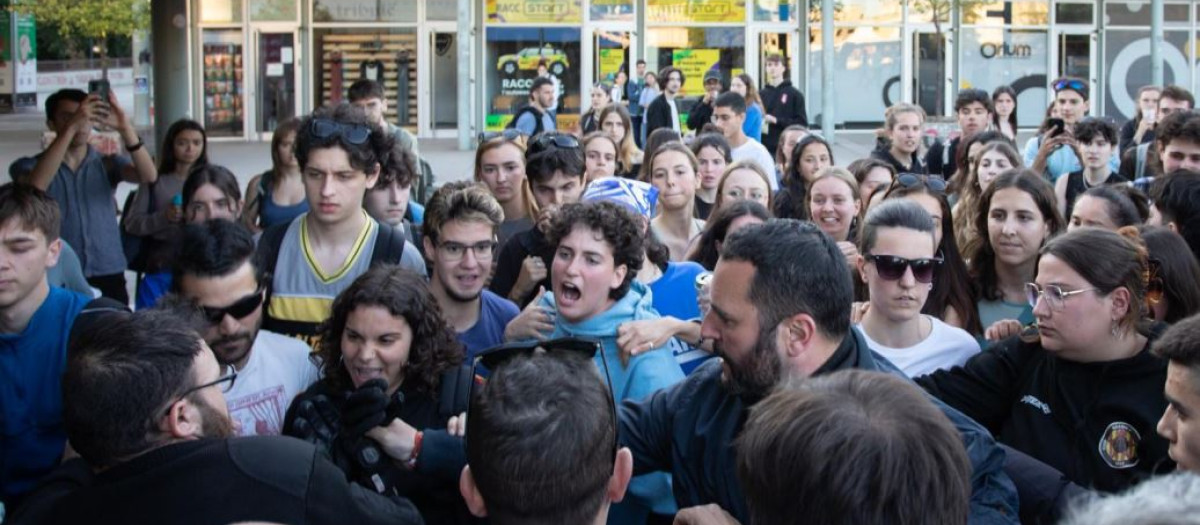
(696, 11)
(993, 57)
(441, 11)
(867, 12)
(612, 54)
(1138, 13)
(1016, 13)
(365, 11)
(513, 55)
(223, 86)
(273, 11)
(775, 10)
(220, 11)
(1073, 13)
(388, 56)
(534, 12)
(695, 50)
(930, 11)
(867, 68)
(611, 11)
(1127, 54)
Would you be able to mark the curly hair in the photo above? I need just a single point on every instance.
(619, 226)
(375, 153)
(399, 165)
(435, 348)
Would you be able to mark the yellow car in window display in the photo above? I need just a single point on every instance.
(527, 60)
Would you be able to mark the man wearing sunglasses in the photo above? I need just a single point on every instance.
(144, 407)
(215, 270)
(780, 310)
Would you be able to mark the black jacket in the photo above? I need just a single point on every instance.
(1094, 422)
(213, 482)
(512, 256)
(938, 153)
(658, 114)
(687, 430)
(884, 153)
(786, 104)
(699, 115)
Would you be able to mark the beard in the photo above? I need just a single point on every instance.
(761, 371)
(213, 423)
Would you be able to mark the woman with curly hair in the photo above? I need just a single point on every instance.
(383, 353)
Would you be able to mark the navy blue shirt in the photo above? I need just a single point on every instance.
(495, 312)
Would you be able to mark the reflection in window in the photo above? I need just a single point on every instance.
(993, 57)
(273, 11)
(221, 11)
(388, 56)
(775, 10)
(1016, 13)
(611, 11)
(858, 12)
(511, 65)
(867, 72)
(365, 11)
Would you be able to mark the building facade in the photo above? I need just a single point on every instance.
(252, 64)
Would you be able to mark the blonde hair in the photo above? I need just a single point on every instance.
(832, 172)
(531, 207)
(743, 165)
(899, 109)
(627, 150)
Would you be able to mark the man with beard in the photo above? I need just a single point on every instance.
(781, 297)
(461, 222)
(216, 270)
(143, 406)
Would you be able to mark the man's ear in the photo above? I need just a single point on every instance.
(798, 333)
(373, 176)
(53, 252)
(470, 493)
(182, 420)
(622, 472)
(1172, 226)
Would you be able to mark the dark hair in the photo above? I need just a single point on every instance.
(853, 447)
(167, 162)
(404, 293)
(538, 83)
(1180, 344)
(368, 156)
(752, 96)
(34, 208)
(640, 62)
(712, 140)
(69, 95)
(363, 89)
(215, 248)
(1178, 199)
(398, 165)
(1012, 93)
(1045, 125)
(774, 57)
(1175, 92)
(1107, 260)
(1178, 270)
(962, 154)
(1121, 205)
(460, 201)
(542, 162)
(538, 440)
(983, 260)
(1137, 115)
(1183, 125)
(717, 226)
(285, 128)
(970, 96)
(733, 101)
(791, 176)
(213, 174)
(664, 76)
(780, 152)
(120, 375)
(1087, 129)
(952, 281)
(1082, 92)
(893, 214)
(798, 269)
(654, 141)
(619, 227)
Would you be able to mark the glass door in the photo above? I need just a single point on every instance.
(930, 69)
(1076, 57)
(223, 83)
(443, 78)
(276, 97)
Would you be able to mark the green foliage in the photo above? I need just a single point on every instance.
(98, 19)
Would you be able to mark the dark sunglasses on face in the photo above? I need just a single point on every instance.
(238, 310)
(509, 134)
(356, 134)
(1074, 85)
(933, 182)
(892, 268)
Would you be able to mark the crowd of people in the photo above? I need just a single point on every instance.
(663, 316)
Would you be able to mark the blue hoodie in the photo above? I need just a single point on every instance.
(647, 373)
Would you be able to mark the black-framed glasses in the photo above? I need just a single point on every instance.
(238, 310)
(1072, 84)
(509, 134)
(892, 268)
(934, 182)
(556, 139)
(1055, 296)
(224, 382)
(455, 251)
(356, 134)
(487, 361)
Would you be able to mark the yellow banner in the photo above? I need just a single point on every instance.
(534, 12)
(696, 11)
(610, 63)
(694, 63)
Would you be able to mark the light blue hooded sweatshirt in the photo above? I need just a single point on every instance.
(646, 373)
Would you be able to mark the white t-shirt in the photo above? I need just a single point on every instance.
(674, 115)
(947, 346)
(758, 153)
(278, 370)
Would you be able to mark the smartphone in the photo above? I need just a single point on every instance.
(99, 87)
(1057, 127)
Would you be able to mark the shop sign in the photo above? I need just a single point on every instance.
(694, 63)
(26, 61)
(696, 11)
(1005, 50)
(534, 11)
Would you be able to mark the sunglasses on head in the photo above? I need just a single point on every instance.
(1154, 283)
(892, 268)
(910, 180)
(238, 310)
(1074, 85)
(559, 140)
(509, 134)
(356, 134)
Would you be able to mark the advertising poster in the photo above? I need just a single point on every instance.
(610, 63)
(694, 63)
(6, 68)
(25, 51)
(512, 65)
(696, 11)
(611, 10)
(534, 11)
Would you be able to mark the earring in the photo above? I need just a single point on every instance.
(1115, 330)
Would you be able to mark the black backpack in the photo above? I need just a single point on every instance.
(537, 117)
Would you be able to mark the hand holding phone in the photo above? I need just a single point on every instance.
(1056, 127)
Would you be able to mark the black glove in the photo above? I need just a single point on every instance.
(316, 422)
(365, 409)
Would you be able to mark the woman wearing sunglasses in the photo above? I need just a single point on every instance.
(898, 265)
(1173, 288)
(1081, 392)
(384, 351)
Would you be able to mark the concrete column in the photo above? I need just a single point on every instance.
(1156, 42)
(169, 46)
(464, 74)
(827, 87)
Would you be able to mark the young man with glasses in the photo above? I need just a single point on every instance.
(319, 253)
(216, 271)
(143, 406)
(461, 221)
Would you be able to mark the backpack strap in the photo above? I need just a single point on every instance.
(454, 391)
(268, 248)
(1142, 150)
(389, 245)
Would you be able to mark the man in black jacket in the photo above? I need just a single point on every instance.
(783, 103)
(973, 107)
(143, 406)
(663, 111)
(702, 112)
(773, 318)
